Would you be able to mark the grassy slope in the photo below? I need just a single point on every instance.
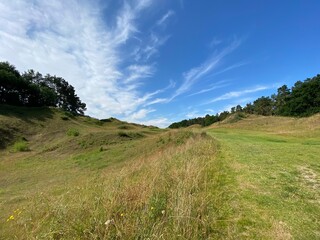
(274, 173)
(255, 179)
(147, 182)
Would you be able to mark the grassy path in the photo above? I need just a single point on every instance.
(274, 187)
(122, 181)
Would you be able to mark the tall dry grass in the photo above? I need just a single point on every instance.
(170, 194)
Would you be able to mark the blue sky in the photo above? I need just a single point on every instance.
(156, 62)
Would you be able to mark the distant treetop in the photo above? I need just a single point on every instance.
(302, 100)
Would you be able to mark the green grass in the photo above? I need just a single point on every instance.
(275, 184)
(21, 146)
(249, 178)
(147, 188)
(73, 132)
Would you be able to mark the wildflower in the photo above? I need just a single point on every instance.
(10, 218)
(163, 212)
(152, 208)
(122, 215)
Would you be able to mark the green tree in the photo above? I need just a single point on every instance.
(304, 99)
(223, 115)
(47, 95)
(249, 108)
(32, 89)
(67, 98)
(281, 98)
(13, 89)
(238, 108)
(263, 106)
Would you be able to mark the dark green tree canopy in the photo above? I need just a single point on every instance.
(303, 99)
(263, 106)
(33, 89)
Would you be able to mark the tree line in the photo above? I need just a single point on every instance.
(32, 89)
(302, 100)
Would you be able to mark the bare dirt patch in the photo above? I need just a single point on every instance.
(310, 178)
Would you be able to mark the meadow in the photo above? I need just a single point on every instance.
(66, 177)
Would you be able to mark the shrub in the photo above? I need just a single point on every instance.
(242, 115)
(73, 132)
(204, 134)
(21, 146)
(124, 127)
(130, 134)
(136, 134)
(106, 120)
(123, 134)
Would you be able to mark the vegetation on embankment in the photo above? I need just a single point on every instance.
(32, 89)
(302, 100)
(142, 181)
(276, 183)
(81, 178)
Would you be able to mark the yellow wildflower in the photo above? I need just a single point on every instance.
(10, 218)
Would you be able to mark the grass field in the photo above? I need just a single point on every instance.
(274, 182)
(65, 177)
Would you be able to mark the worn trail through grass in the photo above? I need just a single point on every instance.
(74, 177)
(274, 181)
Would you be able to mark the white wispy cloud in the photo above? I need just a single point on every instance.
(145, 51)
(236, 94)
(70, 39)
(214, 42)
(160, 122)
(140, 114)
(231, 67)
(157, 101)
(194, 74)
(212, 87)
(160, 100)
(164, 18)
(138, 72)
(150, 47)
(193, 114)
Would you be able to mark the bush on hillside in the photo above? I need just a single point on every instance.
(73, 132)
(21, 146)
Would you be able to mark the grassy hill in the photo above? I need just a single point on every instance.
(286, 126)
(76, 173)
(67, 177)
(274, 171)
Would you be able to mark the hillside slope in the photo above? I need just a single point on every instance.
(274, 176)
(309, 126)
(51, 125)
(78, 172)
(81, 178)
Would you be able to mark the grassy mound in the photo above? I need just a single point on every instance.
(73, 177)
